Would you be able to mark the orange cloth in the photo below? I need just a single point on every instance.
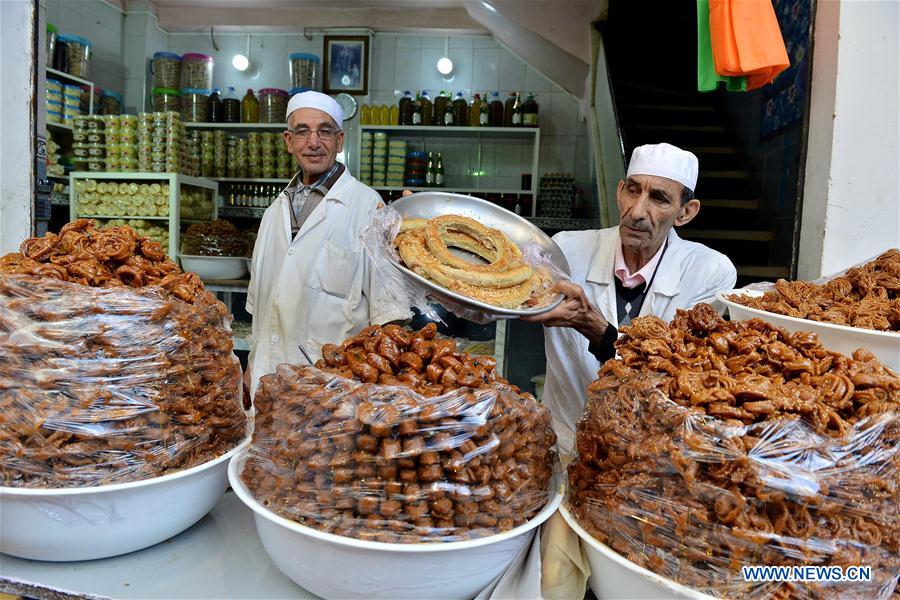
(746, 40)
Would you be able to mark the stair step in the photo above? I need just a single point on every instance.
(671, 107)
(711, 149)
(729, 203)
(727, 234)
(774, 271)
(722, 174)
(705, 128)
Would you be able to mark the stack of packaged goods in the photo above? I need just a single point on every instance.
(208, 154)
(192, 152)
(72, 103)
(396, 163)
(285, 159)
(89, 143)
(129, 199)
(365, 158)
(236, 162)
(379, 159)
(270, 155)
(220, 152)
(54, 98)
(254, 155)
(557, 196)
(121, 142)
(416, 166)
(160, 142)
(196, 203)
(53, 166)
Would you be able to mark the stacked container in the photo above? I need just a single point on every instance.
(111, 103)
(195, 105)
(78, 55)
(166, 100)
(89, 143)
(304, 69)
(379, 158)
(166, 70)
(285, 161)
(365, 158)
(396, 163)
(161, 138)
(196, 71)
(272, 105)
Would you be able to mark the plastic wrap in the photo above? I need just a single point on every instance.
(405, 460)
(865, 296)
(110, 384)
(379, 238)
(712, 445)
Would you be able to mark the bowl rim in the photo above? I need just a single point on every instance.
(116, 487)
(200, 256)
(764, 314)
(611, 554)
(240, 488)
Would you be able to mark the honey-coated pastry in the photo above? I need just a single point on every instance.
(395, 436)
(712, 445)
(114, 365)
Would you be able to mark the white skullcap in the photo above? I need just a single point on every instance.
(665, 160)
(319, 101)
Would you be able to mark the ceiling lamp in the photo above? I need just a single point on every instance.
(240, 62)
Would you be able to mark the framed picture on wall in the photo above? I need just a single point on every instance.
(346, 64)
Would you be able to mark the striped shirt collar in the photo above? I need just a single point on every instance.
(323, 185)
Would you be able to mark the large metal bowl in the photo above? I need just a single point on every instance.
(427, 205)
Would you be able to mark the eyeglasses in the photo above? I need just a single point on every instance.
(325, 133)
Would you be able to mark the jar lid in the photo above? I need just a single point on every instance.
(51, 28)
(170, 55)
(74, 38)
(305, 56)
(168, 91)
(203, 91)
(275, 91)
(197, 56)
(299, 90)
(116, 95)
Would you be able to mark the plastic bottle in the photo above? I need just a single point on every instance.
(249, 108)
(441, 104)
(214, 106)
(406, 106)
(530, 112)
(395, 115)
(495, 119)
(427, 108)
(510, 108)
(460, 110)
(231, 107)
(364, 115)
(384, 115)
(474, 111)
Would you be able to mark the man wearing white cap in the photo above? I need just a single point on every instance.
(639, 268)
(311, 279)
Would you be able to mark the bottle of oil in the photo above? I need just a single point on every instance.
(364, 115)
(511, 112)
(395, 115)
(530, 112)
(427, 108)
(460, 110)
(231, 107)
(417, 112)
(384, 115)
(475, 110)
(495, 118)
(249, 108)
(441, 104)
(405, 107)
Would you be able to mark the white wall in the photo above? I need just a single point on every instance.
(102, 24)
(851, 201)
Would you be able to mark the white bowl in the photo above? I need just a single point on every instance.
(98, 522)
(613, 576)
(334, 566)
(215, 267)
(837, 338)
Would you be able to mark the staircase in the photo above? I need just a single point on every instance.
(729, 219)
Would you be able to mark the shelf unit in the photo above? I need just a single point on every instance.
(62, 75)
(479, 136)
(174, 180)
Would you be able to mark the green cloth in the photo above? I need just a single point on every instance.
(707, 78)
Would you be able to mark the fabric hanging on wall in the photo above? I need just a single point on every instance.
(746, 40)
(707, 78)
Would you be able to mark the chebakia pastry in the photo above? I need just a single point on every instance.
(866, 296)
(505, 280)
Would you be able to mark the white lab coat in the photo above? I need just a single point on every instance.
(319, 287)
(689, 273)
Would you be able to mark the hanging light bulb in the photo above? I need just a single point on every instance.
(240, 62)
(445, 66)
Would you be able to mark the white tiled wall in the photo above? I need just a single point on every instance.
(102, 25)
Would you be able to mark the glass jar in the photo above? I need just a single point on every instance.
(272, 105)
(111, 103)
(166, 99)
(195, 105)
(196, 71)
(51, 43)
(78, 55)
(166, 70)
(304, 70)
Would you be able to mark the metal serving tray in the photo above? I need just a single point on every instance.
(427, 205)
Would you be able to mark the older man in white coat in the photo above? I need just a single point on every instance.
(311, 279)
(639, 268)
